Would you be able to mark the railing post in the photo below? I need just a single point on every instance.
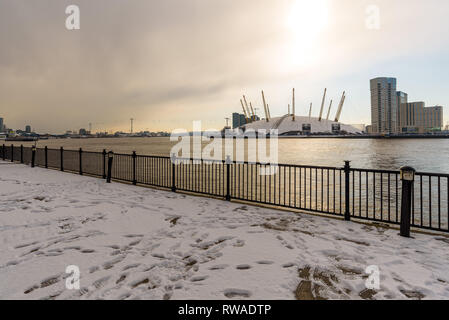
(21, 153)
(61, 151)
(81, 161)
(46, 157)
(4, 152)
(407, 178)
(173, 172)
(33, 156)
(347, 169)
(110, 158)
(228, 178)
(104, 163)
(12, 153)
(134, 168)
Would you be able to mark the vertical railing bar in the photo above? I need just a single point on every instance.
(289, 186)
(322, 191)
(439, 202)
(316, 188)
(367, 193)
(284, 185)
(381, 196)
(353, 192)
(265, 184)
(328, 191)
(430, 201)
(360, 193)
(294, 189)
(275, 185)
(374, 194)
(341, 211)
(421, 200)
(397, 199)
(310, 188)
(389, 194)
(247, 180)
(334, 183)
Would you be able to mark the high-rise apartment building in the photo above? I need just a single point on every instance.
(402, 98)
(384, 105)
(238, 120)
(416, 118)
(1, 125)
(392, 113)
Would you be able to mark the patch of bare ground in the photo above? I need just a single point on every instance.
(320, 284)
(174, 220)
(416, 295)
(367, 294)
(279, 225)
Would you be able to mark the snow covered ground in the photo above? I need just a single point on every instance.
(137, 243)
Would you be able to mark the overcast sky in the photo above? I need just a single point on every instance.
(167, 63)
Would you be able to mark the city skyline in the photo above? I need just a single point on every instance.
(393, 113)
(168, 64)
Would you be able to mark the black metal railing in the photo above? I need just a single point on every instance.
(347, 192)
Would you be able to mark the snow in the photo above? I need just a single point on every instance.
(139, 243)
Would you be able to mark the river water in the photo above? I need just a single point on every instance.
(425, 155)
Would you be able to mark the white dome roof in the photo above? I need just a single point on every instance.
(286, 124)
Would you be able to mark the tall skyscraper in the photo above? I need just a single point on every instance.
(1, 124)
(384, 105)
(28, 129)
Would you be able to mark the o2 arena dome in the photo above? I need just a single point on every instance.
(292, 125)
(302, 125)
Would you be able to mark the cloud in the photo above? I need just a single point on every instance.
(169, 62)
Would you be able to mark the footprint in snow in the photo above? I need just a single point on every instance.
(219, 267)
(198, 278)
(100, 282)
(243, 267)
(237, 293)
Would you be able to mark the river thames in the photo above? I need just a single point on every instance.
(428, 155)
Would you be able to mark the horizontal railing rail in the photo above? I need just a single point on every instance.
(366, 194)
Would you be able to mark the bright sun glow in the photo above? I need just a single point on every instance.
(306, 20)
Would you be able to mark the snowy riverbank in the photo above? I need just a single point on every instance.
(133, 242)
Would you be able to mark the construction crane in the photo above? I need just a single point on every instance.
(293, 104)
(340, 107)
(329, 111)
(265, 106)
(244, 112)
(322, 105)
